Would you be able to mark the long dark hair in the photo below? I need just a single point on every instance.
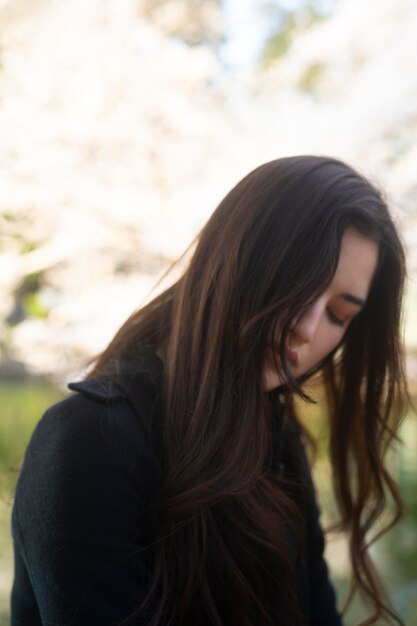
(226, 524)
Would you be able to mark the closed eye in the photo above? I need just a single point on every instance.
(336, 320)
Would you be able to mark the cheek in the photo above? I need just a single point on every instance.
(329, 341)
(270, 378)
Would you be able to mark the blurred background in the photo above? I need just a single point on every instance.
(122, 125)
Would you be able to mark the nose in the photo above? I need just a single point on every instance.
(306, 327)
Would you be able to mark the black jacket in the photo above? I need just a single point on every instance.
(79, 519)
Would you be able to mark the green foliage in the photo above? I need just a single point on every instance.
(277, 44)
(285, 24)
(310, 80)
(14, 229)
(26, 245)
(22, 405)
(28, 300)
(395, 554)
(6, 562)
(33, 306)
(32, 283)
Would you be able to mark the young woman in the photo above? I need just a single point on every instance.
(173, 488)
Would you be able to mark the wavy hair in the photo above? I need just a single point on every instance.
(269, 250)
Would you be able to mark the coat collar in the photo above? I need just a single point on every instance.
(140, 383)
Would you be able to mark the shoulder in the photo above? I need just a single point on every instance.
(89, 466)
(95, 421)
(110, 427)
(92, 441)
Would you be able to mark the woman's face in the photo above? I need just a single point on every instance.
(320, 329)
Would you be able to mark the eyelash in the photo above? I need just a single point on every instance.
(336, 320)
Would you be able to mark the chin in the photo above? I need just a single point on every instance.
(271, 382)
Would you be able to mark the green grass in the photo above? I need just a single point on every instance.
(22, 405)
(6, 562)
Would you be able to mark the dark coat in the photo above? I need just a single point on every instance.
(79, 527)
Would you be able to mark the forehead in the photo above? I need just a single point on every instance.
(357, 263)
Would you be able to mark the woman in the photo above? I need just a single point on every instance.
(173, 487)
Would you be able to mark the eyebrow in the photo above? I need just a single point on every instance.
(353, 299)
